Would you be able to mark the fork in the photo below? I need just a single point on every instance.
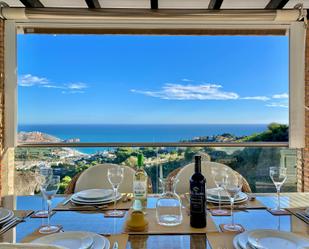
(11, 224)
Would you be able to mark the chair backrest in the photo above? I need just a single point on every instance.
(96, 177)
(183, 185)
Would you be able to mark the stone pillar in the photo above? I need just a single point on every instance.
(304, 172)
(1, 101)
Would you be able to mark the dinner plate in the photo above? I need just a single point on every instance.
(70, 240)
(83, 202)
(213, 192)
(95, 194)
(5, 213)
(216, 201)
(240, 241)
(76, 199)
(267, 238)
(28, 245)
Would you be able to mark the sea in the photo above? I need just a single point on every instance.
(139, 132)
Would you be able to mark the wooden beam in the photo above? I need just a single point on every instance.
(154, 4)
(276, 4)
(93, 4)
(32, 3)
(215, 4)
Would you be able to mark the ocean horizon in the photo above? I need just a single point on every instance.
(139, 132)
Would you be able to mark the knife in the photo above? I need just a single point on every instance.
(66, 201)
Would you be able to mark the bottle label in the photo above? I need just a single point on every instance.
(140, 189)
(198, 200)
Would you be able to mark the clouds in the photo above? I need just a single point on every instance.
(76, 86)
(172, 91)
(281, 96)
(28, 80)
(262, 98)
(206, 91)
(274, 104)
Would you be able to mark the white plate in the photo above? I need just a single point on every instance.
(95, 194)
(213, 192)
(76, 198)
(240, 196)
(209, 199)
(266, 238)
(28, 245)
(240, 241)
(5, 213)
(83, 202)
(70, 240)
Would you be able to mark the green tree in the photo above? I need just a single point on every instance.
(65, 181)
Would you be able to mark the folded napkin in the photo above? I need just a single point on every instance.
(27, 246)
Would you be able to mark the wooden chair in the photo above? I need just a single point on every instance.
(96, 177)
(183, 174)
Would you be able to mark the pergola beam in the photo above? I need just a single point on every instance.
(154, 4)
(93, 4)
(215, 4)
(32, 3)
(276, 4)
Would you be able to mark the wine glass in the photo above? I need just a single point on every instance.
(42, 174)
(232, 185)
(115, 177)
(219, 175)
(49, 189)
(278, 176)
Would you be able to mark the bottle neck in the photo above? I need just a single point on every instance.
(197, 164)
(140, 161)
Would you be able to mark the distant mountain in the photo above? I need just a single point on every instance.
(40, 137)
(36, 137)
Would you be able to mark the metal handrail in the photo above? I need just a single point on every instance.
(159, 144)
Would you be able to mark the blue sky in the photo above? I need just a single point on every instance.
(152, 79)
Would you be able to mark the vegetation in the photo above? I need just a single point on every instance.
(252, 163)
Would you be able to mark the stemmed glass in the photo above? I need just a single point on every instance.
(49, 189)
(219, 175)
(43, 173)
(115, 177)
(278, 176)
(232, 185)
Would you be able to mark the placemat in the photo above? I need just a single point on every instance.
(122, 204)
(221, 240)
(122, 239)
(183, 228)
(299, 213)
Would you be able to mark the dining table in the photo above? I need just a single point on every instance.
(96, 222)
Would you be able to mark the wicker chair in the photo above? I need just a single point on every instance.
(175, 175)
(85, 179)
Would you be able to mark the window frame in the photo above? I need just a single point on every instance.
(294, 29)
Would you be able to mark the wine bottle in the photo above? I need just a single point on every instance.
(140, 180)
(198, 197)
